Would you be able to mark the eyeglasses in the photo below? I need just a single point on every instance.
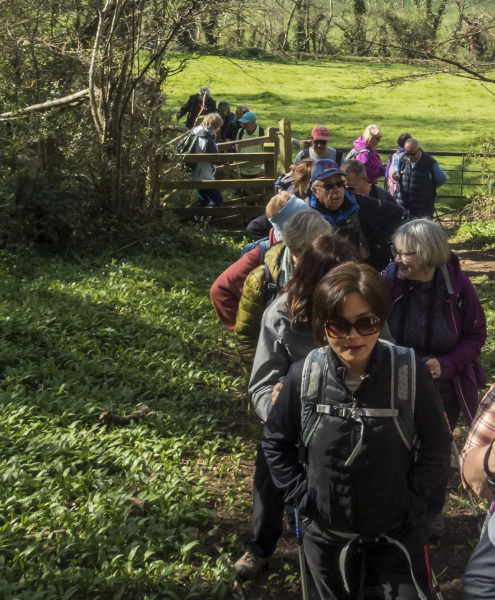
(411, 153)
(377, 137)
(329, 186)
(320, 142)
(341, 328)
(403, 256)
(350, 188)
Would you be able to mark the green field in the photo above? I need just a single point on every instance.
(445, 113)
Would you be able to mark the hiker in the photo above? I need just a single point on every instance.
(360, 489)
(197, 105)
(234, 125)
(389, 168)
(478, 473)
(357, 182)
(418, 176)
(286, 336)
(205, 171)
(250, 129)
(365, 151)
(368, 223)
(435, 310)
(297, 183)
(319, 149)
(226, 291)
(227, 116)
(298, 233)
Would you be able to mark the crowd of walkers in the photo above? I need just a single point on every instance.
(361, 338)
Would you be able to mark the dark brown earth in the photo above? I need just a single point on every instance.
(448, 557)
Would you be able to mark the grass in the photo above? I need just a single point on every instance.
(445, 113)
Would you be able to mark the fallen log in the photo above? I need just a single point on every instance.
(107, 417)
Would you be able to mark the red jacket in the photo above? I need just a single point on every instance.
(226, 292)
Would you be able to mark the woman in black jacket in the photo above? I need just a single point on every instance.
(362, 402)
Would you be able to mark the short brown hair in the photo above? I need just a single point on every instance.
(325, 253)
(346, 279)
(276, 203)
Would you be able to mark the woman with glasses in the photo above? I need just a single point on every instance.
(435, 311)
(365, 151)
(358, 403)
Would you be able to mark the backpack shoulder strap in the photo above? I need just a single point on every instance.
(403, 391)
(305, 153)
(339, 156)
(264, 245)
(270, 288)
(312, 382)
(261, 130)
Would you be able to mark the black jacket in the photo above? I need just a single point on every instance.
(192, 103)
(365, 221)
(383, 489)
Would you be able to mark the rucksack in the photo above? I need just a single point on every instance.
(264, 244)
(353, 153)
(270, 286)
(338, 157)
(402, 397)
(187, 146)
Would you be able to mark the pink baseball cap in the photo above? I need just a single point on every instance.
(320, 133)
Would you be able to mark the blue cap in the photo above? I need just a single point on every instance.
(248, 117)
(324, 169)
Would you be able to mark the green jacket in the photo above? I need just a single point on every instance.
(251, 305)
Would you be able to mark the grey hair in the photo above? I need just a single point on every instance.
(353, 167)
(204, 90)
(302, 229)
(427, 239)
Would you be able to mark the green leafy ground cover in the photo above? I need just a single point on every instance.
(88, 510)
(94, 511)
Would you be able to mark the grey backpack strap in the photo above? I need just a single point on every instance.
(403, 391)
(312, 381)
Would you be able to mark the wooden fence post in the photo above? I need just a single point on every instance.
(285, 145)
(270, 164)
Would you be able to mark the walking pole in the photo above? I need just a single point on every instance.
(436, 587)
(468, 493)
(302, 560)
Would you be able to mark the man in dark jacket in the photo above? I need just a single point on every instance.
(366, 222)
(418, 175)
(227, 116)
(197, 105)
(357, 182)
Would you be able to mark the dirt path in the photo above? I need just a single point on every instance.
(477, 262)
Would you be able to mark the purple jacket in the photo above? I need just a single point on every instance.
(370, 159)
(467, 321)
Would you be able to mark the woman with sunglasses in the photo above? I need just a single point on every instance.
(435, 310)
(286, 336)
(360, 488)
(365, 151)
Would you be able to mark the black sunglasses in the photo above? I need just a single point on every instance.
(329, 186)
(350, 188)
(411, 153)
(340, 328)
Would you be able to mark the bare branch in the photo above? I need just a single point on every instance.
(59, 102)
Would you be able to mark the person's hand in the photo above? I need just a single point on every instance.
(435, 367)
(396, 176)
(177, 116)
(260, 173)
(276, 391)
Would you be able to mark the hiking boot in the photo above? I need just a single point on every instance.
(249, 565)
(435, 526)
